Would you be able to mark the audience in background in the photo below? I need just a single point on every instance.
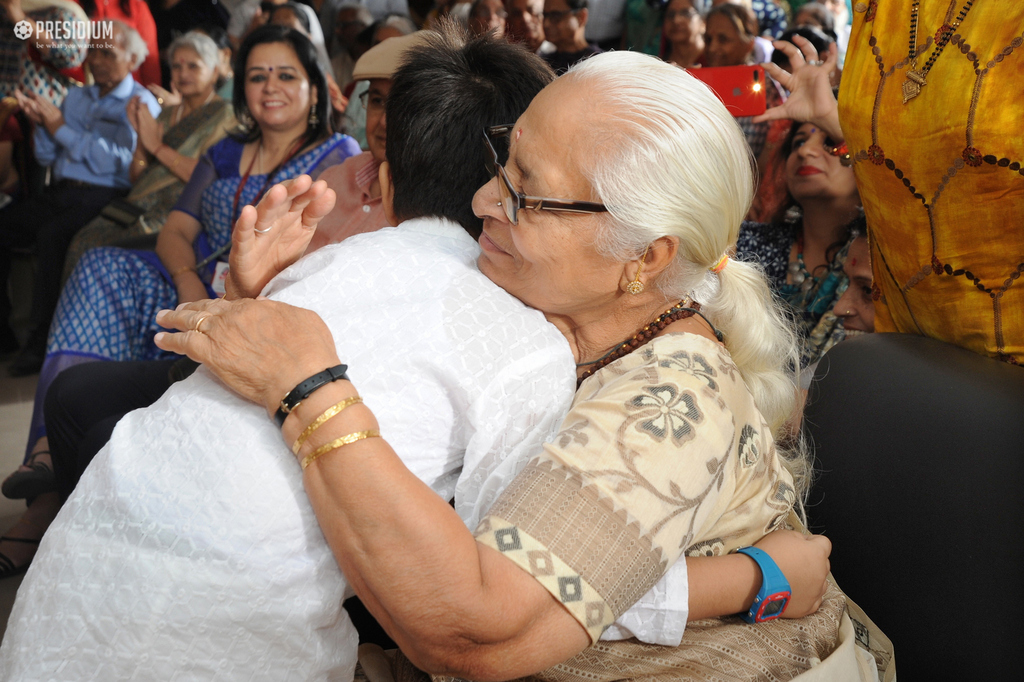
(643, 27)
(525, 24)
(683, 32)
(89, 142)
(855, 307)
(729, 40)
(817, 15)
(168, 150)
(136, 14)
(354, 121)
(606, 23)
(565, 25)
(803, 253)
(108, 306)
(174, 17)
(346, 48)
(37, 69)
(487, 15)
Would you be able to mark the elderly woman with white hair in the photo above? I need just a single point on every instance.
(623, 191)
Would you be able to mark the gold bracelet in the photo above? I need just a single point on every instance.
(180, 271)
(319, 421)
(338, 443)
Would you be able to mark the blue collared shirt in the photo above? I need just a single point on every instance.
(96, 142)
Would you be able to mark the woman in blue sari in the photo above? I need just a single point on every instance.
(108, 306)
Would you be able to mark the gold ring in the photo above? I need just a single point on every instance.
(199, 323)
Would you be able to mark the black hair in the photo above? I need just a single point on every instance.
(307, 56)
(441, 99)
(812, 34)
(742, 18)
(89, 7)
(294, 8)
(216, 33)
(822, 15)
(576, 5)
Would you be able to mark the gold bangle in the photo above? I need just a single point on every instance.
(319, 421)
(180, 271)
(338, 443)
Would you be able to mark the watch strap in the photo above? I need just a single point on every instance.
(306, 389)
(773, 584)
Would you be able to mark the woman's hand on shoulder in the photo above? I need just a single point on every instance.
(274, 234)
(260, 348)
(809, 85)
(803, 559)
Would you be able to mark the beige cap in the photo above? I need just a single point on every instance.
(384, 58)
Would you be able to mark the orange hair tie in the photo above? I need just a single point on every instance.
(720, 265)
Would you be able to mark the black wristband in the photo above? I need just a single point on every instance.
(306, 388)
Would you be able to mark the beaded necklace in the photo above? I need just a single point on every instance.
(916, 78)
(679, 311)
(798, 272)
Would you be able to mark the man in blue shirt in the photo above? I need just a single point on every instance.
(88, 142)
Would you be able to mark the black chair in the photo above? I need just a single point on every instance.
(920, 449)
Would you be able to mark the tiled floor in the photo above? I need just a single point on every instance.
(16, 397)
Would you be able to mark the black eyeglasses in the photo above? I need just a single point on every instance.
(513, 201)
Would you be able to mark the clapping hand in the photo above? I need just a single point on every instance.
(274, 234)
(149, 130)
(164, 98)
(40, 111)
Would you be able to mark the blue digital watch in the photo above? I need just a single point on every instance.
(772, 598)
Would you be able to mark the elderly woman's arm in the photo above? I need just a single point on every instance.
(453, 605)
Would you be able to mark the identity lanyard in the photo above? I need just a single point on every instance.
(266, 183)
(238, 195)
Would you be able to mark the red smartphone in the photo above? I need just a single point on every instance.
(741, 88)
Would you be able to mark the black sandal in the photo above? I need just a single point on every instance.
(7, 567)
(23, 485)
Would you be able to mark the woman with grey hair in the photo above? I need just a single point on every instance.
(625, 184)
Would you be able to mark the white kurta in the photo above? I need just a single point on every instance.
(189, 549)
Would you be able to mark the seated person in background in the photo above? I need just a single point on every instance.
(855, 307)
(487, 15)
(803, 251)
(35, 70)
(525, 24)
(356, 181)
(168, 148)
(683, 32)
(108, 305)
(354, 120)
(89, 143)
(244, 583)
(565, 24)
(346, 48)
